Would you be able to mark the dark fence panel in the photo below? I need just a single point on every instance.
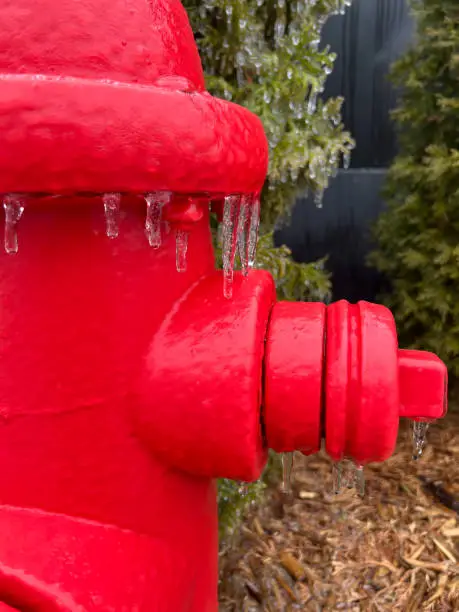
(367, 39)
(340, 229)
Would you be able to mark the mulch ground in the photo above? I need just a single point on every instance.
(395, 549)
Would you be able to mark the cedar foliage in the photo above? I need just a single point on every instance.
(418, 236)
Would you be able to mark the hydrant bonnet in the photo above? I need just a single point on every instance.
(113, 100)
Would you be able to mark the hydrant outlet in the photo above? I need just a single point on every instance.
(336, 372)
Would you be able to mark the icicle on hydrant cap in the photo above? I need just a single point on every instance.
(114, 100)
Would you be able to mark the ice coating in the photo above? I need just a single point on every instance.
(13, 206)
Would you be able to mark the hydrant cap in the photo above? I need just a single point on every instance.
(109, 95)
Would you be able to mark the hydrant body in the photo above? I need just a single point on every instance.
(127, 387)
(78, 315)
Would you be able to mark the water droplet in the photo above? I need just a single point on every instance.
(112, 203)
(243, 232)
(253, 230)
(181, 250)
(155, 202)
(14, 207)
(419, 438)
(287, 470)
(230, 226)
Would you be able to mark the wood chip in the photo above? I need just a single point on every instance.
(292, 565)
(258, 528)
(435, 567)
(448, 554)
(308, 495)
(418, 552)
(287, 588)
(442, 581)
(451, 533)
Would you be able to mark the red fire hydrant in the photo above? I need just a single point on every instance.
(127, 387)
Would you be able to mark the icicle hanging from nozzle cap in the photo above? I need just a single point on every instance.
(287, 470)
(253, 230)
(14, 207)
(337, 473)
(243, 232)
(155, 202)
(359, 480)
(112, 203)
(419, 438)
(230, 226)
(181, 250)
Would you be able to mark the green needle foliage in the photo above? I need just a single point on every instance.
(419, 234)
(265, 55)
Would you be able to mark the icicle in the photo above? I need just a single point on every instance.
(359, 480)
(14, 207)
(112, 203)
(229, 17)
(253, 230)
(181, 250)
(419, 438)
(337, 477)
(230, 225)
(155, 202)
(346, 160)
(319, 197)
(243, 232)
(312, 103)
(287, 469)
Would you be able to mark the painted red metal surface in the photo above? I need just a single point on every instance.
(93, 567)
(108, 95)
(423, 385)
(125, 387)
(370, 384)
(201, 392)
(294, 377)
(78, 313)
